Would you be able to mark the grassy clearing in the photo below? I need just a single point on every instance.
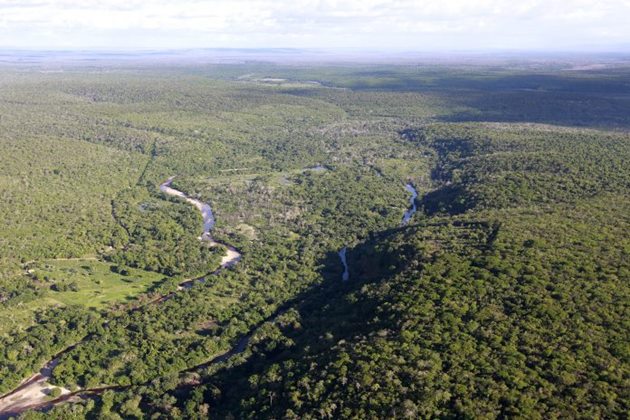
(85, 282)
(94, 284)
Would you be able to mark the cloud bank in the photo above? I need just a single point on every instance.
(394, 24)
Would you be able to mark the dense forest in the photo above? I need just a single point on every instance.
(506, 294)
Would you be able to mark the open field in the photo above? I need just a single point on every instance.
(84, 282)
(92, 283)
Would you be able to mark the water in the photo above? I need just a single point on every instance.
(29, 394)
(232, 256)
(412, 201)
(205, 209)
(206, 213)
(342, 255)
(317, 168)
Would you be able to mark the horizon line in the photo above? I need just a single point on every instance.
(583, 50)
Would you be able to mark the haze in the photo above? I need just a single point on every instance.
(463, 25)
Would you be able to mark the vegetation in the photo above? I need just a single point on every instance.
(506, 296)
(91, 283)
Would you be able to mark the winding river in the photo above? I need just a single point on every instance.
(412, 202)
(33, 392)
(204, 208)
(406, 218)
(342, 256)
(232, 255)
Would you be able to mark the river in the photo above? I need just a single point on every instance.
(412, 202)
(406, 218)
(33, 392)
(204, 208)
(232, 255)
(342, 255)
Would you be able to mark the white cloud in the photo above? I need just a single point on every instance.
(457, 24)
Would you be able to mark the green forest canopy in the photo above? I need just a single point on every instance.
(506, 295)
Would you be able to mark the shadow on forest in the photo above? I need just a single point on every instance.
(328, 312)
(546, 107)
(511, 98)
(450, 199)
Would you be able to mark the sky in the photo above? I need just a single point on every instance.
(416, 25)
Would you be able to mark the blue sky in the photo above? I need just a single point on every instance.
(395, 24)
